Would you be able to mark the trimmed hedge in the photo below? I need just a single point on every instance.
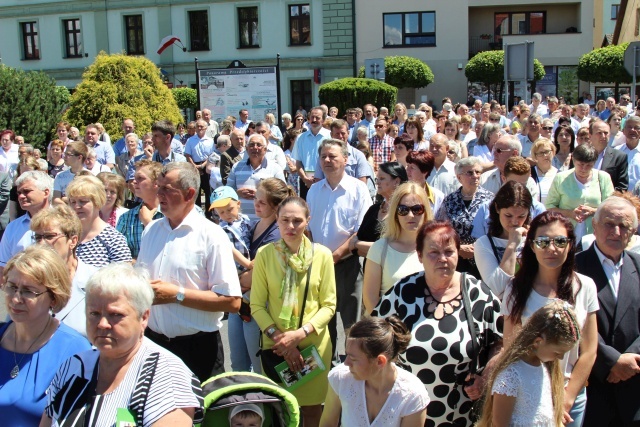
(185, 97)
(404, 71)
(604, 65)
(353, 91)
(488, 67)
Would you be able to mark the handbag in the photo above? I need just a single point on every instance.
(268, 357)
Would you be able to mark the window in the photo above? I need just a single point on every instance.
(30, 49)
(248, 26)
(615, 8)
(519, 23)
(72, 40)
(299, 24)
(301, 94)
(199, 29)
(134, 34)
(409, 29)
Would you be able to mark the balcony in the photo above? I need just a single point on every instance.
(483, 43)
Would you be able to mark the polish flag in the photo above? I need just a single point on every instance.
(166, 42)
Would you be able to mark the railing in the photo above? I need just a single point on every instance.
(482, 43)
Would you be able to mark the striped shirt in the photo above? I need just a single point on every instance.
(381, 148)
(107, 247)
(131, 227)
(156, 383)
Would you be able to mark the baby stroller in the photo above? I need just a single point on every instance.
(227, 390)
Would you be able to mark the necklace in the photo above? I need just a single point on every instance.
(16, 369)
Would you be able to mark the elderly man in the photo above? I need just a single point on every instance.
(305, 151)
(554, 113)
(610, 103)
(582, 115)
(190, 262)
(212, 125)
(381, 144)
(35, 191)
(104, 152)
(232, 155)
(120, 147)
(630, 148)
(198, 149)
(527, 140)
(246, 174)
(162, 133)
(614, 383)
(369, 120)
(443, 175)
(274, 152)
(536, 105)
(337, 206)
(504, 148)
(610, 160)
(357, 165)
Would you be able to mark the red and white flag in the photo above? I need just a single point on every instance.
(166, 42)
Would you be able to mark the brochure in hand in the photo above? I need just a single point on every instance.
(313, 366)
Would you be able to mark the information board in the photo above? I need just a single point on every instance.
(226, 91)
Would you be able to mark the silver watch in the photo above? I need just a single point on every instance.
(180, 295)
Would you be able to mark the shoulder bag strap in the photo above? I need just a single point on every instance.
(306, 288)
(495, 250)
(473, 365)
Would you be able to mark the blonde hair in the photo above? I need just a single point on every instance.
(543, 142)
(556, 323)
(118, 182)
(61, 216)
(43, 264)
(90, 187)
(391, 228)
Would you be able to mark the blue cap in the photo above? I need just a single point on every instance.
(221, 196)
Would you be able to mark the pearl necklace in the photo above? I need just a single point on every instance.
(16, 369)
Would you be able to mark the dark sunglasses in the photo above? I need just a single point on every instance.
(559, 242)
(547, 127)
(503, 150)
(416, 210)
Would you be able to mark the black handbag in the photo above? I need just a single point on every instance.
(268, 357)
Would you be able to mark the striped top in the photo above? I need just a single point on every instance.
(156, 383)
(107, 247)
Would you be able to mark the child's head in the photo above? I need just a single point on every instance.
(247, 415)
(226, 203)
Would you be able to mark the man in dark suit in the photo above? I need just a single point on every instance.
(614, 162)
(613, 393)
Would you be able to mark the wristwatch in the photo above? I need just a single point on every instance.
(180, 295)
(306, 330)
(270, 331)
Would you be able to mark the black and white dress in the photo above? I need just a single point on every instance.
(156, 383)
(108, 246)
(439, 349)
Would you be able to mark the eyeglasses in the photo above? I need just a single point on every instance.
(472, 173)
(255, 145)
(451, 152)
(49, 237)
(547, 127)
(379, 126)
(502, 150)
(25, 294)
(559, 242)
(416, 210)
(544, 153)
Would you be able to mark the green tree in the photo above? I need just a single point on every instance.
(405, 71)
(605, 65)
(488, 67)
(347, 92)
(31, 104)
(185, 97)
(118, 86)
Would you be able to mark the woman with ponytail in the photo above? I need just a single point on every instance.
(369, 390)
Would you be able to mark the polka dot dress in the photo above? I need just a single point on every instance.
(439, 349)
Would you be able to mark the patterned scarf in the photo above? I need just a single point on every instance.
(292, 265)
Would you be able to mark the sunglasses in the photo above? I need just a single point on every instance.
(379, 126)
(559, 242)
(503, 150)
(547, 127)
(416, 210)
(451, 152)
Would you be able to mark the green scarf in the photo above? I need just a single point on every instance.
(292, 265)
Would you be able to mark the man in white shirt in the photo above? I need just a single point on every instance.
(536, 105)
(192, 272)
(212, 125)
(443, 175)
(337, 205)
(305, 150)
(632, 136)
(582, 115)
(274, 152)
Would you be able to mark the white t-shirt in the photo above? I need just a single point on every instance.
(396, 264)
(488, 264)
(586, 302)
(408, 396)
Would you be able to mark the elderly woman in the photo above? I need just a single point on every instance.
(389, 176)
(413, 128)
(496, 253)
(394, 256)
(484, 147)
(56, 163)
(92, 164)
(286, 123)
(333, 112)
(34, 343)
(564, 139)
(430, 304)
(293, 298)
(400, 116)
(114, 187)
(576, 193)
(60, 229)
(98, 387)
(276, 135)
(125, 160)
(419, 166)
(460, 208)
(546, 128)
(100, 243)
(547, 273)
(543, 173)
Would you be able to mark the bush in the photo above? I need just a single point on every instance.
(604, 65)
(118, 86)
(404, 71)
(488, 67)
(351, 92)
(185, 97)
(31, 104)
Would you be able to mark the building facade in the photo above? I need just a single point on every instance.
(62, 37)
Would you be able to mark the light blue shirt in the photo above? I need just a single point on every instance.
(357, 165)
(199, 148)
(104, 153)
(306, 147)
(633, 158)
(481, 221)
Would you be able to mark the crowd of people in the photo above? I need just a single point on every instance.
(484, 265)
